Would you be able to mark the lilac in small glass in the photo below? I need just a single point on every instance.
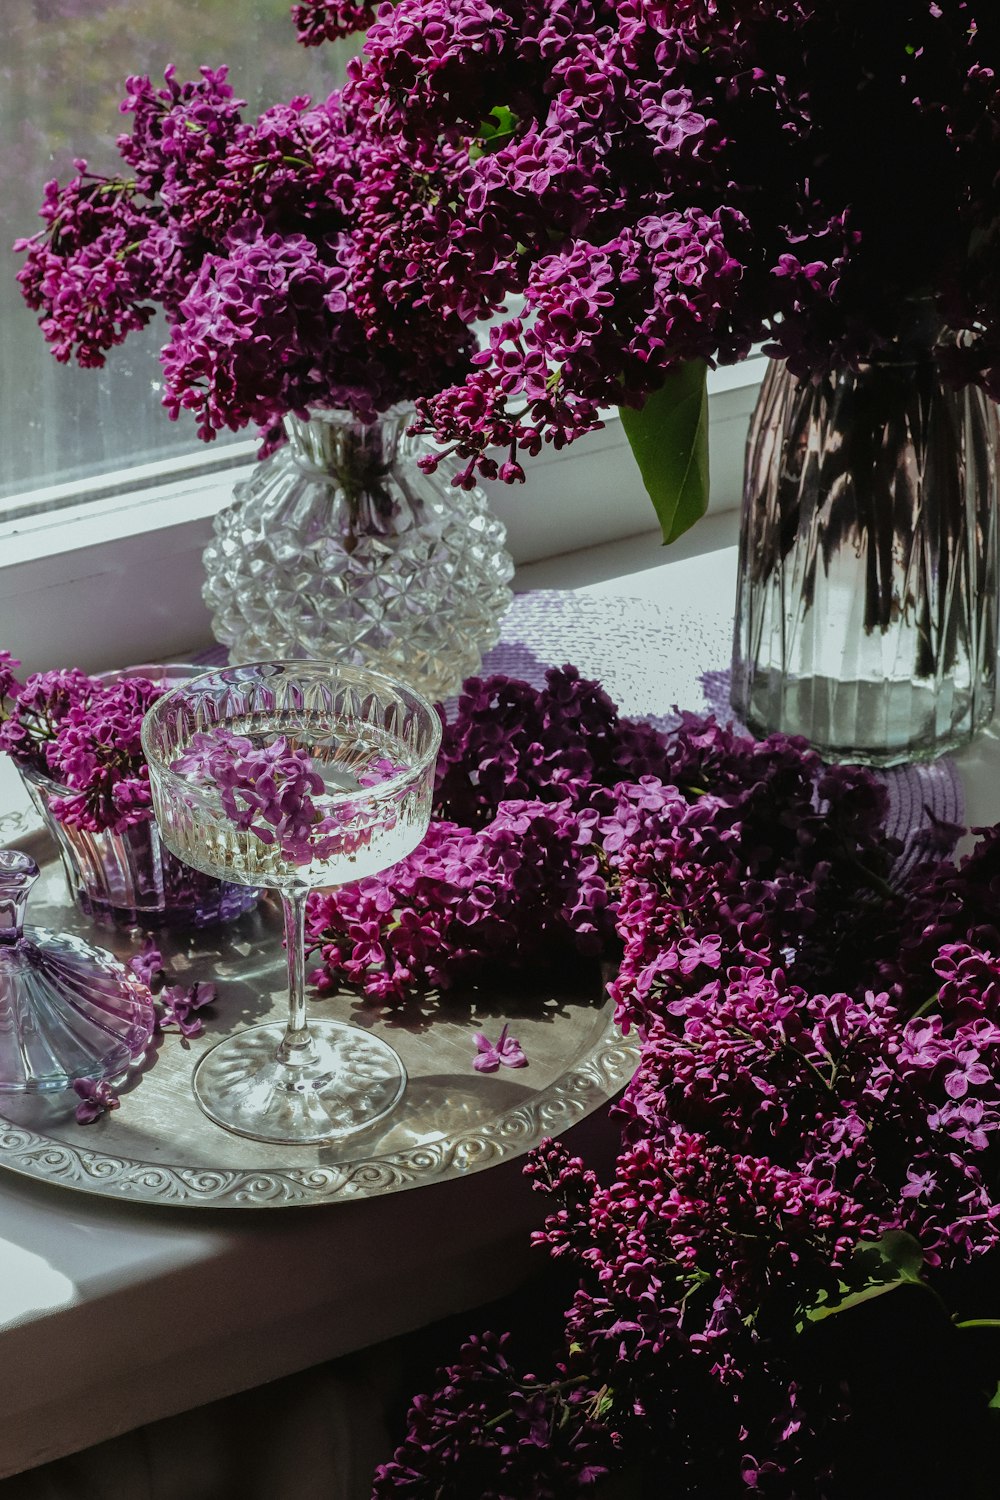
(131, 879)
(75, 740)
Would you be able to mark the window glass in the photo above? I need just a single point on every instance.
(63, 65)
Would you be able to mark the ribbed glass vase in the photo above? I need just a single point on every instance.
(131, 879)
(866, 616)
(340, 548)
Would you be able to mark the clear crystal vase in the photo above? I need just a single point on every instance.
(339, 547)
(866, 604)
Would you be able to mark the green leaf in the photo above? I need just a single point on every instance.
(495, 131)
(994, 1403)
(896, 1252)
(669, 438)
(827, 1307)
(876, 1267)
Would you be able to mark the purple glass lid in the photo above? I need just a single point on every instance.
(67, 1010)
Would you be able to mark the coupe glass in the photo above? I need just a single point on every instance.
(374, 743)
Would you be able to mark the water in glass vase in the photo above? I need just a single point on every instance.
(866, 604)
(817, 668)
(837, 716)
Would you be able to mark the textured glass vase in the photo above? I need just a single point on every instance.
(866, 604)
(67, 1011)
(339, 548)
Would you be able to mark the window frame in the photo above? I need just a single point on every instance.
(109, 569)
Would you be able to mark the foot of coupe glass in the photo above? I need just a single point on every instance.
(345, 1081)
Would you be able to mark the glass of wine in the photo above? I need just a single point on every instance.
(294, 775)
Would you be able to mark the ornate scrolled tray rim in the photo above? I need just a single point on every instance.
(157, 1148)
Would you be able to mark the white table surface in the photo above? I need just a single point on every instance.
(113, 1315)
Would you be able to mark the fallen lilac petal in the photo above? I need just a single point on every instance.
(507, 1052)
(96, 1099)
(487, 1058)
(187, 1028)
(201, 994)
(179, 1021)
(511, 1052)
(177, 1005)
(147, 964)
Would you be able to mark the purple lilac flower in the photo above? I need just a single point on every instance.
(84, 734)
(8, 681)
(178, 1006)
(97, 752)
(318, 21)
(147, 964)
(36, 711)
(819, 1069)
(267, 790)
(271, 791)
(250, 235)
(96, 1099)
(664, 183)
(505, 1052)
(490, 1419)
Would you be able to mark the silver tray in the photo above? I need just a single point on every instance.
(158, 1148)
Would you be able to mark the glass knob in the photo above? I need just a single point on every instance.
(18, 873)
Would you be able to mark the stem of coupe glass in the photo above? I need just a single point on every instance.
(297, 1046)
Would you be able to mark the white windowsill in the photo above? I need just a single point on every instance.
(118, 577)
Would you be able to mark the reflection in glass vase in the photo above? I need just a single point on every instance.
(866, 605)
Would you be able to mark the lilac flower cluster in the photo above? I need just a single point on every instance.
(658, 183)
(497, 1431)
(811, 1139)
(82, 733)
(539, 793)
(266, 790)
(511, 872)
(248, 234)
(522, 890)
(317, 21)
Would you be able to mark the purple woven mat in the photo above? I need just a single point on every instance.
(919, 794)
(654, 661)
